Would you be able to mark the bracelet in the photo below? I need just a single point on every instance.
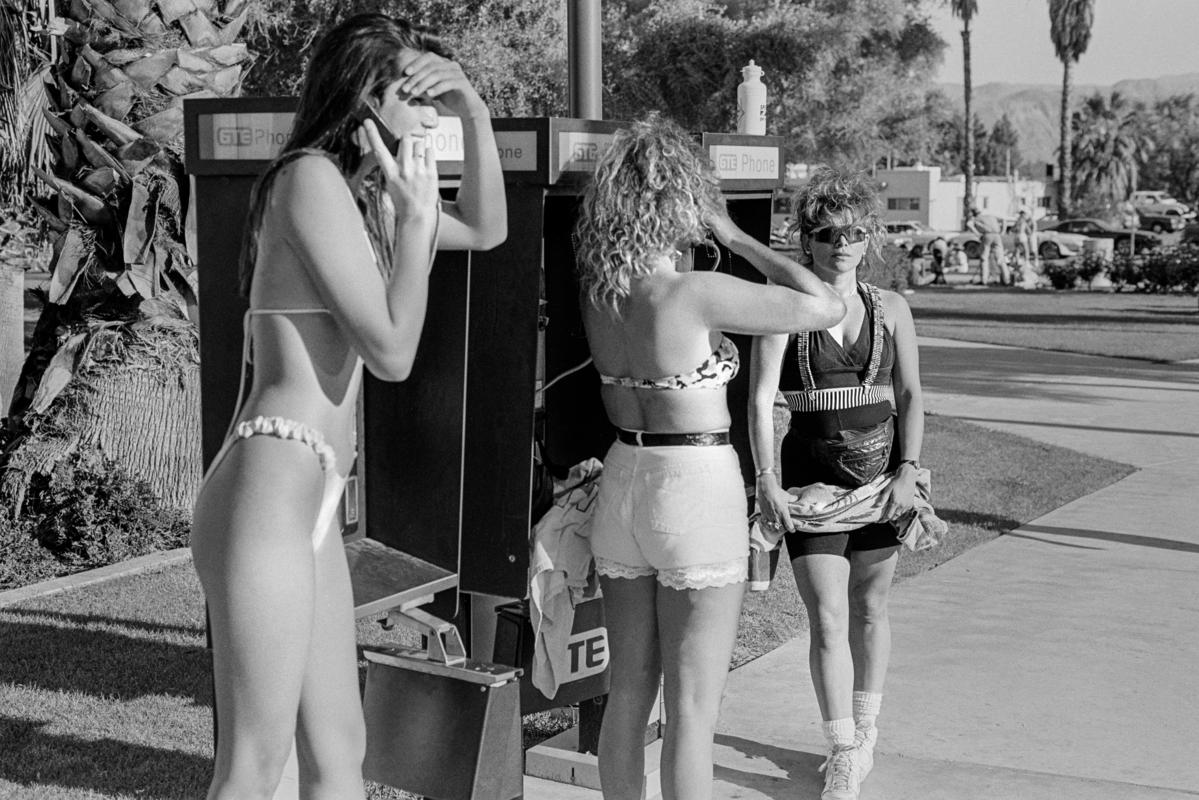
(915, 464)
(759, 473)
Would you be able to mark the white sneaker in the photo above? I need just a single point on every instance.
(841, 781)
(863, 741)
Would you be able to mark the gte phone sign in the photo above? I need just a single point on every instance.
(254, 136)
(261, 135)
(580, 151)
(745, 162)
(588, 652)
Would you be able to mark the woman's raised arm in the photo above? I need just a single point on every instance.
(322, 225)
(477, 219)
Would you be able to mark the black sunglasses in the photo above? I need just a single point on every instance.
(829, 234)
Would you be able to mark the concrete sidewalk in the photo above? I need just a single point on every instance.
(1057, 662)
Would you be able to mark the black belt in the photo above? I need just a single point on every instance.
(672, 439)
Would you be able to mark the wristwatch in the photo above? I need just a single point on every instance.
(915, 464)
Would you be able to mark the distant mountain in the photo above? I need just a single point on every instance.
(1034, 109)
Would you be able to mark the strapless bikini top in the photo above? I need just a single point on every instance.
(716, 371)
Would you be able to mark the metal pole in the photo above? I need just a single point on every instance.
(1136, 215)
(585, 58)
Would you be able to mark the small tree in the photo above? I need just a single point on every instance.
(1108, 144)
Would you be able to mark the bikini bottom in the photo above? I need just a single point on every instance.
(287, 429)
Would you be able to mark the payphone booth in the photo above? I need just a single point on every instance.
(402, 548)
(527, 333)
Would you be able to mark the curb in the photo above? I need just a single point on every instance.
(133, 566)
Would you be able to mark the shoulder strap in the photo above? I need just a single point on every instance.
(874, 307)
(803, 344)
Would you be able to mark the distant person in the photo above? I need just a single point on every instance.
(958, 260)
(1130, 219)
(915, 269)
(340, 240)
(1026, 233)
(990, 230)
(856, 412)
(669, 531)
(940, 253)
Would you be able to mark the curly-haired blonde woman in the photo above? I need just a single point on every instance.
(856, 411)
(669, 532)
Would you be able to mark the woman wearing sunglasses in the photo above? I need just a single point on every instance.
(856, 411)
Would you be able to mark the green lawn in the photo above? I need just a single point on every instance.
(1146, 326)
(104, 690)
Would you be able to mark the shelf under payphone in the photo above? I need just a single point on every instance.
(384, 578)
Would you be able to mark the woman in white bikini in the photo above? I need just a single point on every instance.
(669, 531)
(331, 287)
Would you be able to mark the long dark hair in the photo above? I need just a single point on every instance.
(359, 53)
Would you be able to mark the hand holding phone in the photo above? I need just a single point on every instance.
(363, 112)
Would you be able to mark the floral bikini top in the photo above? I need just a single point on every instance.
(716, 371)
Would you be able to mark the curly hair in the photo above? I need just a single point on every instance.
(652, 191)
(830, 192)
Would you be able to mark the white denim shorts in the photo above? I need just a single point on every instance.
(677, 513)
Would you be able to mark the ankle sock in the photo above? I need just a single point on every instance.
(866, 706)
(839, 732)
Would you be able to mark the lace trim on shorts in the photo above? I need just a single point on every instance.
(614, 569)
(700, 576)
(706, 576)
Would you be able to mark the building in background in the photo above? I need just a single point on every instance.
(921, 194)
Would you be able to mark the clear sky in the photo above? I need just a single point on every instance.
(1010, 42)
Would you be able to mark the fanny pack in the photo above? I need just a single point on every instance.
(856, 456)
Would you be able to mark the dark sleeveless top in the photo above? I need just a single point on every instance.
(831, 388)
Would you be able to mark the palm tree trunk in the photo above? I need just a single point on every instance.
(12, 330)
(1065, 157)
(968, 167)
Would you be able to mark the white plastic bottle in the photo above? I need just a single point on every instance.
(751, 101)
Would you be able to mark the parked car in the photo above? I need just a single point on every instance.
(1163, 219)
(913, 236)
(1147, 198)
(1051, 244)
(1098, 229)
(1190, 234)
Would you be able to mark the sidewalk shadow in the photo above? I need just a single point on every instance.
(803, 778)
(1103, 428)
(1106, 536)
(1044, 374)
(977, 519)
(100, 663)
(87, 764)
(1186, 319)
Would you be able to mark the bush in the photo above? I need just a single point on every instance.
(1063, 273)
(1171, 269)
(1167, 269)
(1091, 265)
(22, 559)
(1126, 271)
(88, 512)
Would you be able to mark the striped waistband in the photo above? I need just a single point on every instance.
(840, 398)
